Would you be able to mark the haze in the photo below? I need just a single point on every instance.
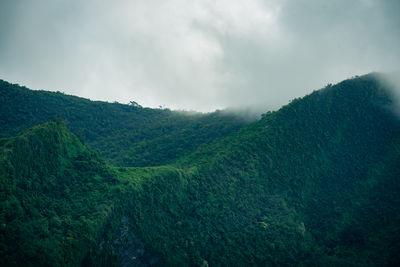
(195, 55)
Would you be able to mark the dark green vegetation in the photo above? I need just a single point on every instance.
(315, 183)
(54, 198)
(126, 135)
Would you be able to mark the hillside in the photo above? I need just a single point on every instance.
(315, 183)
(54, 198)
(127, 135)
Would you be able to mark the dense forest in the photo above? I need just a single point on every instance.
(315, 183)
(125, 135)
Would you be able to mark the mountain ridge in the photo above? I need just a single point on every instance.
(315, 183)
(126, 135)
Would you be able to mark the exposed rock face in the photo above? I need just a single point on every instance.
(131, 250)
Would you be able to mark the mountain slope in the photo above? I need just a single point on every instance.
(54, 198)
(126, 135)
(316, 182)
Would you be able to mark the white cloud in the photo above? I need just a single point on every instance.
(197, 55)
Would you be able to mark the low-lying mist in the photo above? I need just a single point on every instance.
(391, 81)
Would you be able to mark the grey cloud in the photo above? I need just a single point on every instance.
(392, 82)
(198, 55)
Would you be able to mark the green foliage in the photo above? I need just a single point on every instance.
(315, 183)
(126, 135)
(54, 198)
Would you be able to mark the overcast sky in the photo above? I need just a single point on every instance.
(195, 55)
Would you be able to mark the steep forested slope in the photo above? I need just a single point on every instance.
(54, 198)
(126, 135)
(315, 183)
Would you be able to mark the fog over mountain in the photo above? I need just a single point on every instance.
(199, 55)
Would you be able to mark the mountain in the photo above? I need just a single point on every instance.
(315, 183)
(127, 135)
(54, 198)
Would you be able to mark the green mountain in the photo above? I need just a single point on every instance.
(126, 135)
(54, 198)
(315, 183)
